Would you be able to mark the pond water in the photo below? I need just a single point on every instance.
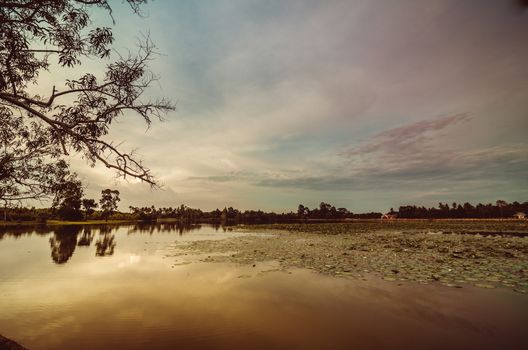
(116, 287)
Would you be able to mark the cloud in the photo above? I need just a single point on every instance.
(424, 151)
(408, 139)
(416, 155)
(286, 99)
(423, 147)
(504, 166)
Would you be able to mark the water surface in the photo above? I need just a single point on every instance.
(115, 287)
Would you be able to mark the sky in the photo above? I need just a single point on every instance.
(365, 104)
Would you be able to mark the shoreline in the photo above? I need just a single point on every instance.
(308, 222)
(61, 222)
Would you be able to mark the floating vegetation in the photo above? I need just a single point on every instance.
(398, 255)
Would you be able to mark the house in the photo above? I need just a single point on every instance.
(389, 216)
(520, 216)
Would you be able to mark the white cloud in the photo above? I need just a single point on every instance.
(269, 93)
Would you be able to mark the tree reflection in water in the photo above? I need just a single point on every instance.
(86, 237)
(63, 243)
(65, 238)
(164, 227)
(106, 242)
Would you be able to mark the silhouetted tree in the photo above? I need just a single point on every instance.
(28, 166)
(343, 213)
(89, 206)
(224, 216)
(301, 212)
(144, 213)
(43, 35)
(499, 210)
(67, 200)
(501, 205)
(108, 202)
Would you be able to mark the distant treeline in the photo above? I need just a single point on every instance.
(500, 209)
(184, 214)
(41, 215)
(324, 212)
(226, 216)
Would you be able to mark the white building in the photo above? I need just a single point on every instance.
(389, 216)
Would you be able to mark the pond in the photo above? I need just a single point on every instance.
(118, 287)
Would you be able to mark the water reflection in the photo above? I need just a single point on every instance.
(23, 230)
(140, 297)
(86, 237)
(106, 243)
(63, 243)
(174, 226)
(65, 238)
(164, 227)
